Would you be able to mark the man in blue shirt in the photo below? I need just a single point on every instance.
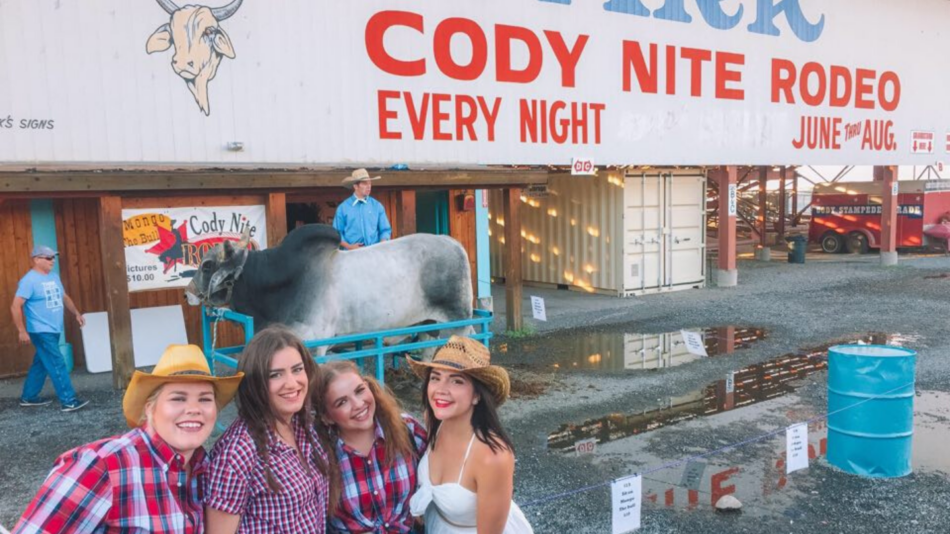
(361, 219)
(40, 300)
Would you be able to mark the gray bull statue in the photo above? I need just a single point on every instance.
(310, 285)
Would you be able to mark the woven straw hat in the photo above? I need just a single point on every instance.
(471, 357)
(179, 363)
(358, 176)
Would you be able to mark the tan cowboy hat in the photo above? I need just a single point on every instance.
(358, 176)
(179, 363)
(471, 357)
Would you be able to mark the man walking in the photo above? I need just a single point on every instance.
(38, 315)
(361, 219)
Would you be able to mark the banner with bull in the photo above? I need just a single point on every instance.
(375, 83)
(164, 246)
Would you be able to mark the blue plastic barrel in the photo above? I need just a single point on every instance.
(871, 402)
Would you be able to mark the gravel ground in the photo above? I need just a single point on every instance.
(840, 298)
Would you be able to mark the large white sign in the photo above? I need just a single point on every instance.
(425, 82)
(164, 246)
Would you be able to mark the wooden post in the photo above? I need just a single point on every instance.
(887, 176)
(727, 275)
(405, 216)
(763, 206)
(782, 200)
(795, 216)
(116, 286)
(276, 218)
(512, 209)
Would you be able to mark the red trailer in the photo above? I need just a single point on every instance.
(847, 216)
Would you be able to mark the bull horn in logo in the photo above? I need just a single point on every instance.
(199, 43)
(220, 13)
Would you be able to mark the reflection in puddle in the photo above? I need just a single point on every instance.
(744, 387)
(706, 481)
(622, 351)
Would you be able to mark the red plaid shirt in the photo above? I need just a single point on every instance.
(376, 499)
(128, 483)
(237, 484)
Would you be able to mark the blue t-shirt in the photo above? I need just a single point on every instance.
(362, 221)
(43, 309)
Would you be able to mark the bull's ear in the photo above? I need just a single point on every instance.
(160, 41)
(222, 43)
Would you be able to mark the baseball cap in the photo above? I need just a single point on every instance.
(43, 250)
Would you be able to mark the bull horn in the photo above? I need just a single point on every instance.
(168, 6)
(225, 12)
(245, 238)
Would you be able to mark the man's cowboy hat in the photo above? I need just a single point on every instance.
(358, 176)
(465, 355)
(179, 363)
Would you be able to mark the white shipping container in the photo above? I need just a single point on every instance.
(612, 233)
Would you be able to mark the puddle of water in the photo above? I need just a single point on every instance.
(744, 387)
(618, 351)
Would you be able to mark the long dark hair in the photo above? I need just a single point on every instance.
(484, 421)
(253, 398)
(388, 413)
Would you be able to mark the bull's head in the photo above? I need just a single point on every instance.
(199, 44)
(220, 268)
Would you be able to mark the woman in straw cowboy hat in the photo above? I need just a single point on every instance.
(466, 478)
(269, 473)
(150, 479)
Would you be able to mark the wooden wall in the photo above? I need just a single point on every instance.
(77, 235)
(16, 242)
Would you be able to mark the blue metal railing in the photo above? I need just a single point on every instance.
(481, 322)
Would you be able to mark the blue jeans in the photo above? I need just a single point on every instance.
(48, 361)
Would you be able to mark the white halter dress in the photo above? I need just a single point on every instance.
(450, 508)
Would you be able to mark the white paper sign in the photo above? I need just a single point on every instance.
(583, 167)
(732, 200)
(731, 382)
(625, 495)
(537, 308)
(796, 448)
(922, 142)
(585, 446)
(694, 343)
(894, 189)
(693, 475)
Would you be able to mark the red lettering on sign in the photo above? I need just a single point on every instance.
(835, 86)
(646, 71)
(503, 37)
(375, 32)
(456, 27)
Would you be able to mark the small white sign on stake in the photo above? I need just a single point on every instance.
(583, 167)
(625, 496)
(733, 195)
(796, 447)
(894, 189)
(537, 308)
(694, 343)
(731, 382)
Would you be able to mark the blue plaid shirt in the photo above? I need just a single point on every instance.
(362, 221)
(374, 498)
